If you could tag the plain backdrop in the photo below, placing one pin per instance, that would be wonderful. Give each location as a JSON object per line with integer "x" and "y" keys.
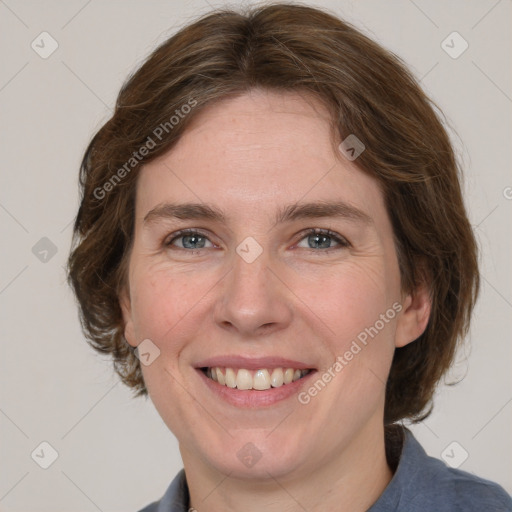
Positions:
{"x": 114, "y": 452}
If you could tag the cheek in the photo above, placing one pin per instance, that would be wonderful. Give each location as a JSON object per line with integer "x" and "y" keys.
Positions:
{"x": 350, "y": 298}
{"x": 360, "y": 308}
{"x": 356, "y": 305}
{"x": 164, "y": 300}
{"x": 152, "y": 306}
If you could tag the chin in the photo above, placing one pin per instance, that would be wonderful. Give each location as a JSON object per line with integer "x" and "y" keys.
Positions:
{"x": 253, "y": 454}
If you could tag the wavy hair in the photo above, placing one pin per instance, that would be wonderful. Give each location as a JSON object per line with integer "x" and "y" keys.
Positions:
{"x": 367, "y": 90}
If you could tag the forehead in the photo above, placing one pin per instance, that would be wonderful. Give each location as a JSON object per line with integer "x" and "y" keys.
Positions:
{"x": 254, "y": 153}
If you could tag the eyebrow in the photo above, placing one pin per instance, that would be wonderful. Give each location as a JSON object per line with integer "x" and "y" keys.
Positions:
{"x": 288, "y": 213}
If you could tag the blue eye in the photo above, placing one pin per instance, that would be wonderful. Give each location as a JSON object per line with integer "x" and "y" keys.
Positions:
{"x": 190, "y": 240}
{"x": 316, "y": 239}
{"x": 322, "y": 239}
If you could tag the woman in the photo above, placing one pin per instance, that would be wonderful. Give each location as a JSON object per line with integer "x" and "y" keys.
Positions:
{"x": 273, "y": 245}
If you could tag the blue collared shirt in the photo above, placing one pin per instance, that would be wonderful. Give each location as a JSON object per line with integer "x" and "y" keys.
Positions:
{"x": 420, "y": 484}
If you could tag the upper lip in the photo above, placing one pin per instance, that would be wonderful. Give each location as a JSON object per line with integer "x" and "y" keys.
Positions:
{"x": 252, "y": 363}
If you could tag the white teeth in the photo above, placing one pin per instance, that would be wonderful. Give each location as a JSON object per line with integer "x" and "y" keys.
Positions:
{"x": 220, "y": 377}
{"x": 277, "y": 378}
{"x": 261, "y": 379}
{"x": 244, "y": 379}
{"x": 288, "y": 375}
{"x": 230, "y": 378}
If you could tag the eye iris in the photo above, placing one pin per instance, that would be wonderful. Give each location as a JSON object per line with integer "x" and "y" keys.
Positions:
{"x": 190, "y": 241}
{"x": 315, "y": 241}
{"x": 322, "y": 241}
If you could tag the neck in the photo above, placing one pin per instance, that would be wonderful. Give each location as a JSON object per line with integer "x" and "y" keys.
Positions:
{"x": 351, "y": 480}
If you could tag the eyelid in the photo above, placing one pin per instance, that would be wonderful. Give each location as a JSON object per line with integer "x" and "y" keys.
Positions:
{"x": 340, "y": 240}
{"x": 182, "y": 232}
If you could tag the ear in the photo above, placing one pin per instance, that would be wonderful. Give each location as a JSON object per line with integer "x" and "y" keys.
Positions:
{"x": 413, "y": 320}
{"x": 126, "y": 308}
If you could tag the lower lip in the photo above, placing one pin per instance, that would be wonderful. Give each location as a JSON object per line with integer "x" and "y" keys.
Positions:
{"x": 252, "y": 398}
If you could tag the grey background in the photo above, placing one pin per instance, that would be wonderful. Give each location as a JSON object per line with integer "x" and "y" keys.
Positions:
{"x": 114, "y": 453}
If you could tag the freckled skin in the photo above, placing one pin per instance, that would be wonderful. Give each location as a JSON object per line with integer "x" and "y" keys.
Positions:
{"x": 249, "y": 156}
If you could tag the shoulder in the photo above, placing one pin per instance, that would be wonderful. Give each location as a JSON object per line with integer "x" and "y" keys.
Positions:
{"x": 453, "y": 490}
{"x": 153, "y": 507}
{"x": 428, "y": 484}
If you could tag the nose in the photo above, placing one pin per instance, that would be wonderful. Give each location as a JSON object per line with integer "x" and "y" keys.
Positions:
{"x": 253, "y": 299}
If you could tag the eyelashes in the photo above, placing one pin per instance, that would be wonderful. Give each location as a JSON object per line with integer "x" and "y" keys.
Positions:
{"x": 321, "y": 236}
{"x": 318, "y": 237}
{"x": 190, "y": 233}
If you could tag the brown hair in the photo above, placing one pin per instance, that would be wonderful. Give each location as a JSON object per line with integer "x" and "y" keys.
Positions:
{"x": 368, "y": 91}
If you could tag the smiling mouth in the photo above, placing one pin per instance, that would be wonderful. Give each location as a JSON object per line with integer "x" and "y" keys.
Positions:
{"x": 262, "y": 379}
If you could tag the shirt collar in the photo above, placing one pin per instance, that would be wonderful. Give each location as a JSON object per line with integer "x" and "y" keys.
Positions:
{"x": 408, "y": 453}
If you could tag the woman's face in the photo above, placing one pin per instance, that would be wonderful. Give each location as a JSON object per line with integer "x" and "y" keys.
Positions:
{"x": 250, "y": 287}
